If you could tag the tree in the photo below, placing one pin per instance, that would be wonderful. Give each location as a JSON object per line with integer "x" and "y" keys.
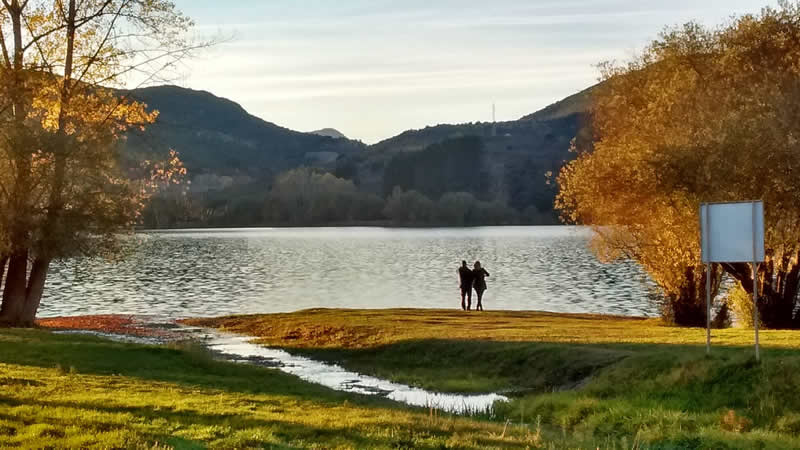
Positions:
{"x": 454, "y": 208}
{"x": 409, "y": 207}
{"x": 63, "y": 192}
{"x": 308, "y": 196}
{"x": 493, "y": 213}
{"x": 453, "y": 165}
{"x": 700, "y": 115}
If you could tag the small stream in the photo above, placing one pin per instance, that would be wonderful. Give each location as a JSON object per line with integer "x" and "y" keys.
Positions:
{"x": 240, "y": 349}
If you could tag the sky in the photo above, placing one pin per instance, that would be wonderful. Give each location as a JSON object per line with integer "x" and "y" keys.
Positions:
{"x": 375, "y": 68}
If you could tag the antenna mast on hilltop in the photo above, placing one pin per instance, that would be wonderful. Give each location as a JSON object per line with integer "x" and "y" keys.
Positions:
{"x": 494, "y": 120}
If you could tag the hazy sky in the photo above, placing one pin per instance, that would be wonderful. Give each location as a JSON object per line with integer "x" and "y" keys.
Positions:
{"x": 374, "y": 68}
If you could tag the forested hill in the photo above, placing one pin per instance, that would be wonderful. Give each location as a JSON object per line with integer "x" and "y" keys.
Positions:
{"x": 217, "y": 136}
{"x": 512, "y": 167}
{"x": 235, "y": 162}
{"x": 330, "y": 132}
{"x": 574, "y": 104}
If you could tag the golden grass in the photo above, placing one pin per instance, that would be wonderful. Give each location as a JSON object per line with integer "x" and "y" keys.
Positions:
{"x": 605, "y": 381}
{"x": 344, "y": 328}
{"x": 75, "y": 392}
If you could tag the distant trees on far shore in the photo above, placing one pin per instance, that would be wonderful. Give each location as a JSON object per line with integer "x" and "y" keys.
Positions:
{"x": 313, "y": 197}
{"x": 307, "y": 196}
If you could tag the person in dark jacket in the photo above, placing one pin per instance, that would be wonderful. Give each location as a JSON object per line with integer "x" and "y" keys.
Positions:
{"x": 479, "y": 275}
{"x": 465, "y": 282}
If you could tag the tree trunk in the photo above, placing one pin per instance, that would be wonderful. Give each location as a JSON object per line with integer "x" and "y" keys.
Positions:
{"x": 21, "y": 145}
{"x": 688, "y": 307}
{"x": 34, "y": 291}
{"x": 778, "y": 284}
{"x": 3, "y": 263}
{"x": 15, "y": 292}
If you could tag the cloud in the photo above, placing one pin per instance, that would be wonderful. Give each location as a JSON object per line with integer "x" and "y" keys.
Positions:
{"x": 373, "y": 67}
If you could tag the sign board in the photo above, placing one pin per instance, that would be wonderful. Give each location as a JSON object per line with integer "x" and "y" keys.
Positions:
{"x": 732, "y": 232}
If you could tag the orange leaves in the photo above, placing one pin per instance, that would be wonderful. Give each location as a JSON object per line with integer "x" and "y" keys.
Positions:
{"x": 700, "y": 115}
{"x": 160, "y": 176}
{"x": 110, "y": 323}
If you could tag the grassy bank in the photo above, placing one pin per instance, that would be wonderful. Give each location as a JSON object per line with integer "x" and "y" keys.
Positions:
{"x": 62, "y": 391}
{"x": 593, "y": 377}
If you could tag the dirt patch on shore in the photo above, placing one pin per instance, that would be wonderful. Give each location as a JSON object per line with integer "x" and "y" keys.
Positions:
{"x": 127, "y": 325}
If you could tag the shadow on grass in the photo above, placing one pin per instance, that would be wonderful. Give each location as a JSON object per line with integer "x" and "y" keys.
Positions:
{"x": 96, "y": 356}
{"x": 516, "y": 368}
{"x": 617, "y": 384}
{"x": 480, "y": 366}
{"x": 282, "y": 430}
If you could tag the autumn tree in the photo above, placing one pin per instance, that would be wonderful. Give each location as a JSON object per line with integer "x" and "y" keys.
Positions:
{"x": 700, "y": 115}
{"x": 63, "y": 192}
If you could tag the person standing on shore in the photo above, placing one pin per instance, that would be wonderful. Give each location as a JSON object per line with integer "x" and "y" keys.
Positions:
{"x": 479, "y": 275}
{"x": 465, "y": 280}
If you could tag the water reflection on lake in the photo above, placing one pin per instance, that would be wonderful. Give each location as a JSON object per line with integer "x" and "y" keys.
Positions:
{"x": 215, "y": 272}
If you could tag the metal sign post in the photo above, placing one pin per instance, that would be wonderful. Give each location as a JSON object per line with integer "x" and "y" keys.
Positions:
{"x": 707, "y": 233}
{"x": 732, "y": 233}
{"x": 755, "y": 306}
{"x": 755, "y": 274}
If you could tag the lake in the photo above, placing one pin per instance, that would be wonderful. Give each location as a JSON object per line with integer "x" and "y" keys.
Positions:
{"x": 185, "y": 273}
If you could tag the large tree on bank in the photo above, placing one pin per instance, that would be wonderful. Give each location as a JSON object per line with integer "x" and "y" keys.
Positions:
{"x": 700, "y": 115}
{"x": 62, "y": 192}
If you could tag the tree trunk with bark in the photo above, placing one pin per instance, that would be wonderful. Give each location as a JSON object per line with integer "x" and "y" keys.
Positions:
{"x": 23, "y": 292}
{"x": 688, "y": 307}
{"x": 15, "y": 292}
{"x": 778, "y": 284}
{"x": 34, "y": 291}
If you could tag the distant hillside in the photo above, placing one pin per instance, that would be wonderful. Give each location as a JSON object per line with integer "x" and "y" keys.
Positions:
{"x": 330, "y": 132}
{"x": 518, "y": 156}
{"x": 216, "y": 135}
{"x": 233, "y": 159}
{"x": 574, "y": 104}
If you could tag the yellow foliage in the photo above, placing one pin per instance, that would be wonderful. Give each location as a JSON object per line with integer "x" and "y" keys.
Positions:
{"x": 62, "y": 191}
{"x": 700, "y": 115}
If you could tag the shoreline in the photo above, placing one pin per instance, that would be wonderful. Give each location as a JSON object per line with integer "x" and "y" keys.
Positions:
{"x": 152, "y": 326}
{"x": 383, "y": 226}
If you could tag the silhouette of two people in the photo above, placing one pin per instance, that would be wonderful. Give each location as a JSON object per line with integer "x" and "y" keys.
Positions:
{"x": 470, "y": 279}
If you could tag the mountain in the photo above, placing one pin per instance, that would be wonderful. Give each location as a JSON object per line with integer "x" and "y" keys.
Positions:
{"x": 216, "y": 135}
{"x": 515, "y": 161}
{"x": 330, "y": 132}
{"x": 574, "y": 104}
{"x": 233, "y": 158}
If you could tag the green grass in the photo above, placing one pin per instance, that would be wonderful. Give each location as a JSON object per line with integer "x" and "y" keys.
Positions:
{"x": 61, "y": 391}
{"x": 595, "y": 378}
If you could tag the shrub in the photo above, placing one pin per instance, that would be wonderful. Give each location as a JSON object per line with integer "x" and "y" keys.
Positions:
{"x": 733, "y": 422}
{"x": 741, "y": 303}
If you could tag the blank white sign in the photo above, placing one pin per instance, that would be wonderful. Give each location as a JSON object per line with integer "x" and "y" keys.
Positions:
{"x": 732, "y": 232}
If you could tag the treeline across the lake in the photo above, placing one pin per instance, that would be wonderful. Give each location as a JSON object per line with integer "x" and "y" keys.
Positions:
{"x": 460, "y": 181}
{"x": 314, "y": 197}
{"x": 702, "y": 115}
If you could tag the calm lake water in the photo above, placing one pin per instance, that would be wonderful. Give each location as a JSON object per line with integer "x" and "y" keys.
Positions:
{"x": 215, "y": 272}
